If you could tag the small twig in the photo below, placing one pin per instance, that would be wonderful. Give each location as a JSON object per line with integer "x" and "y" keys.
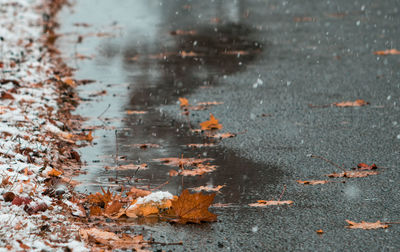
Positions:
{"x": 108, "y": 107}
{"x": 158, "y": 187}
{"x": 116, "y": 156}
{"x": 283, "y": 192}
{"x": 164, "y": 243}
{"x": 328, "y": 161}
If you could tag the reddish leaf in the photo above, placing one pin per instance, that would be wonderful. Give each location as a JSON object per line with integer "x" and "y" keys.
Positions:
{"x": 387, "y": 52}
{"x": 263, "y": 203}
{"x": 352, "y": 174}
{"x": 363, "y": 166}
{"x": 357, "y": 103}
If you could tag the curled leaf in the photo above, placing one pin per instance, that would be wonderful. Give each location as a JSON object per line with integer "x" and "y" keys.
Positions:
{"x": 366, "y": 225}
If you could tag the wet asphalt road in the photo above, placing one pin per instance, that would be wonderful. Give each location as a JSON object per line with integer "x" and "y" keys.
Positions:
{"x": 292, "y": 53}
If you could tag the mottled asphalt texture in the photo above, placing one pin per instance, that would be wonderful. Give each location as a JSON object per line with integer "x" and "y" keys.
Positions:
{"x": 292, "y": 54}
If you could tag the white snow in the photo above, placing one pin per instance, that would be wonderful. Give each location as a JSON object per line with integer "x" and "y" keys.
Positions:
{"x": 153, "y": 197}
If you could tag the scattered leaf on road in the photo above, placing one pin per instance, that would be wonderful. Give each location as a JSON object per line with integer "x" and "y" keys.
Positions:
{"x": 263, "y": 203}
{"x": 54, "y": 173}
{"x": 357, "y": 103}
{"x": 183, "y": 102}
{"x": 208, "y": 188}
{"x": 366, "y": 225}
{"x": 363, "y": 167}
{"x": 388, "y": 52}
{"x": 352, "y": 174}
{"x": 135, "y": 112}
{"x": 211, "y": 124}
{"x": 313, "y": 182}
{"x": 223, "y": 135}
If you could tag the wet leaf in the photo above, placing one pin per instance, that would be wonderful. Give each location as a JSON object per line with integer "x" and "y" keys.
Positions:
{"x": 183, "y": 161}
{"x": 148, "y": 208}
{"x": 366, "y": 225}
{"x": 209, "y": 103}
{"x": 183, "y": 102}
{"x": 127, "y": 167}
{"x": 223, "y": 135}
{"x": 95, "y": 211}
{"x": 199, "y": 170}
{"x": 263, "y": 203}
{"x": 357, "y": 103}
{"x": 54, "y": 173}
{"x": 6, "y": 96}
{"x": 208, "y": 188}
{"x": 192, "y": 208}
{"x": 173, "y": 173}
{"x": 211, "y": 124}
{"x": 113, "y": 208}
{"x": 200, "y": 145}
{"x": 320, "y": 231}
{"x": 352, "y": 174}
{"x": 70, "y": 82}
{"x": 388, "y": 52}
{"x": 136, "y": 193}
{"x": 364, "y": 166}
{"x": 101, "y": 199}
{"x": 135, "y": 112}
{"x": 313, "y": 182}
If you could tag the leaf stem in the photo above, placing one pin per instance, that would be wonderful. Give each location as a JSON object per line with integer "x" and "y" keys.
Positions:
{"x": 328, "y": 161}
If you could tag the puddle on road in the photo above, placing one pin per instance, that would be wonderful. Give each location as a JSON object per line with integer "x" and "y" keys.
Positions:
{"x": 157, "y": 52}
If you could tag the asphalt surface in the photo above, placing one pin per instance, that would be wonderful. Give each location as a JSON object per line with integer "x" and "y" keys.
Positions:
{"x": 292, "y": 54}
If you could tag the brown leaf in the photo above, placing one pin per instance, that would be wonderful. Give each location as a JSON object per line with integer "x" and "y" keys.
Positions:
{"x": 54, "y": 173}
{"x": 199, "y": 170}
{"x": 6, "y": 96}
{"x": 313, "y": 182}
{"x": 183, "y": 161}
{"x": 135, "y": 112}
{"x": 127, "y": 167}
{"x": 223, "y": 135}
{"x": 366, "y": 225}
{"x": 192, "y": 208}
{"x": 200, "y": 145}
{"x": 136, "y": 193}
{"x": 183, "y": 102}
{"x": 263, "y": 203}
{"x": 101, "y": 199}
{"x": 320, "y": 231}
{"x": 364, "y": 166}
{"x": 352, "y": 174}
{"x": 211, "y": 124}
{"x": 148, "y": 208}
{"x": 208, "y": 188}
{"x": 113, "y": 208}
{"x": 357, "y": 103}
{"x": 95, "y": 211}
{"x": 388, "y": 52}
{"x": 173, "y": 173}
{"x": 70, "y": 82}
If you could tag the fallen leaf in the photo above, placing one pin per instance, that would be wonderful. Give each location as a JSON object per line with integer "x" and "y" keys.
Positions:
{"x": 6, "y": 96}
{"x": 388, "y": 52}
{"x": 148, "y": 208}
{"x": 208, "y": 188}
{"x": 263, "y": 203}
{"x": 199, "y": 170}
{"x": 320, "y": 231}
{"x": 183, "y": 102}
{"x": 136, "y": 193}
{"x": 192, "y": 208}
{"x": 127, "y": 167}
{"x": 352, "y": 174}
{"x": 70, "y": 82}
{"x": 173, "y": 173}
{"x": 366, "y": 225}
{"x": 364, "y": 166}
{"x": 22, "y": 245}
{"x": 135, "y": 112}
{"x": 313, "y": 182}
{"x": 95, "y": 211}
{"x": 101, "y": 199}
{"x": 200, "y": 145}
{"x": 357, "y": 103}
{"x": 112, "y": 208}
{"x": 211, "y": 124}
{"x": 182, "y": 32}
{"x": 223, "y": 135}
{"x": 54, "y": 173}
{"x": 145, "y": 146}
{"x": 183, "y": 161}
{"x": 209, "y": 103}
{"x": 188, "y": 54}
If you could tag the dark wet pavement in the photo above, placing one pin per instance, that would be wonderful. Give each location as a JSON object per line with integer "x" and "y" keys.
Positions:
{"x": 259, "y": 58}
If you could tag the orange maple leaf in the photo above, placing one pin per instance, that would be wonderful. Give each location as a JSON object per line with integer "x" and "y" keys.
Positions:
{"x": 263, "y": 203}
{"x": 387, "y": 52}
{"x": 356, "y": 103}
{"x": 366, "y": 225}
{"x": 211, "y": 124}
{"x": 192, "y": 208}
{"x": 184, "y": 102}
{"x": 54, "y": 173}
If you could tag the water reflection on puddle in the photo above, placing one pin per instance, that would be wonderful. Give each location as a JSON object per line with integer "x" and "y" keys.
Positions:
{"x": 147, "y": 54}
